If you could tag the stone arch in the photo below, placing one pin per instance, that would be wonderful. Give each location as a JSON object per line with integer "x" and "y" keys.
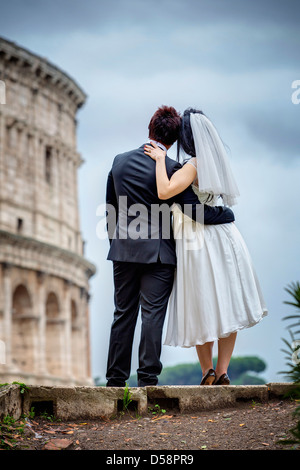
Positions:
{"x": 24, "y": 330}
{"x": 54, "y": 335}
{"x": 20, "y": 282}
{"x": 52, "y": 306}
{"x": 21, "y": 301}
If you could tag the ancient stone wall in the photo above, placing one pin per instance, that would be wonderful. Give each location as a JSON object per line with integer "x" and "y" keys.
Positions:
{"x": 44, "y": 277}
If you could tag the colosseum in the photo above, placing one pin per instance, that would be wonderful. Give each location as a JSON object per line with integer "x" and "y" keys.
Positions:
{"x": 44, "y": 276}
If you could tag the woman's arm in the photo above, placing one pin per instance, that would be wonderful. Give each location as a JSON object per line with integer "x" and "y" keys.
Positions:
{"x": 180, "y": 180}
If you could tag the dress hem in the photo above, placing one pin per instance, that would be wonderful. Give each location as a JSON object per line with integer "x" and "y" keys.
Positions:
{"x": 224, "y": 335}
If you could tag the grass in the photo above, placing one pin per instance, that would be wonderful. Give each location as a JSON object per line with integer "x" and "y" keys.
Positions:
{"x": 11, "y": 432}
{"x": 127, "y": 398}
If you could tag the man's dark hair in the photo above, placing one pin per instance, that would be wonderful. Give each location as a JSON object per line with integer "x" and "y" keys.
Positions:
{"x": 164, "y": 126}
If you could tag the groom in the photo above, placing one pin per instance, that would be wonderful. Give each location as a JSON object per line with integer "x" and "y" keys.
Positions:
{"x": 144, "y": 265}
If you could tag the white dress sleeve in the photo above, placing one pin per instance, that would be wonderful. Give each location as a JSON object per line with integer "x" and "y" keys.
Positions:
{"x": 192, "y": 161}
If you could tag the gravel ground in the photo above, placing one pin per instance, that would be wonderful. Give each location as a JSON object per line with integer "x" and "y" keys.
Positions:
{"x": 248, "y": 426}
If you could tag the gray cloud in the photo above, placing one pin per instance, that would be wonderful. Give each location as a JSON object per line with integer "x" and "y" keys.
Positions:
{"x": 280, "y": 135}
{"x": 94, "y": 14}
{"x": 227, "y": 35}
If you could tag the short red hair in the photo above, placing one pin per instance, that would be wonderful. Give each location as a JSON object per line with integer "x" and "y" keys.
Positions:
{"x": 164, "y": 125}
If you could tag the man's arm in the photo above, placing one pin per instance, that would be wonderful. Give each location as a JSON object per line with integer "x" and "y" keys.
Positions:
{"x": 111, "y": 206}
{"x": 203, "y": 213}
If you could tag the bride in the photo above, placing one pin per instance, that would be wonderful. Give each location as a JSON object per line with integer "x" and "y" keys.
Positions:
{"x": 216, "y": 292}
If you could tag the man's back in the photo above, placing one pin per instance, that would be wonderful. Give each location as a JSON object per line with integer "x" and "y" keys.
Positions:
{"x": 134, "y": 177}
{"x": 131, "y": 189}
{"x": 143, "y": 233}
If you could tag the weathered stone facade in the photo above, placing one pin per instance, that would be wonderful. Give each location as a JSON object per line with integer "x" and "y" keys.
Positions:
{"x": 44, "y": 277}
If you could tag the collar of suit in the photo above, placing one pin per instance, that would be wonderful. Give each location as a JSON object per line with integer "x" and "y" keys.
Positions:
{"x": 158, "y": 144}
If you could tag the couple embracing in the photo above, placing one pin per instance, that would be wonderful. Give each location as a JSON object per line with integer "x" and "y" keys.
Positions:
{"x": 200, "y": 269}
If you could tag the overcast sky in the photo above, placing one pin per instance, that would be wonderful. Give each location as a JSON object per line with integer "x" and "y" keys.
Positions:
{"x": 236, "y": 60}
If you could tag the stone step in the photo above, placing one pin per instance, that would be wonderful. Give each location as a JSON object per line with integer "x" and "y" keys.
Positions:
{"x": 84, "y": 402}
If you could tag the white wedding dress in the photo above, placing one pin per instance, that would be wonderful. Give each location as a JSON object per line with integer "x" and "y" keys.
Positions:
{"x": 216, "y": 291}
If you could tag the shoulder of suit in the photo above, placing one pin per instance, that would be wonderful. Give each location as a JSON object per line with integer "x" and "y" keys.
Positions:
{"x": 121, "y": 156}
{"x": 170, "y": 162}
{"x": 128, "y": 153}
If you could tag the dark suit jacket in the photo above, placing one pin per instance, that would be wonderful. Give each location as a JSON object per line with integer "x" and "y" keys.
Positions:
{"x": 133, "y": 177}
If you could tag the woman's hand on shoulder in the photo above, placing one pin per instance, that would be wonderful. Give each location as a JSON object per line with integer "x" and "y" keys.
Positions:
{"x": 154, "y": 151}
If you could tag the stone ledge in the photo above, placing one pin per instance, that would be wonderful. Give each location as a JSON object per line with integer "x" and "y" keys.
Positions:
{"x": 10, "y": 401}
{"x": 22, "y": 243}
{"x": 196, "y": 398}
{"x": 83, "y": 402}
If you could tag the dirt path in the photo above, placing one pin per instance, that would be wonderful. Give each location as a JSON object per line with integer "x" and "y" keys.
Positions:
{"x": 249, "y": 426}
